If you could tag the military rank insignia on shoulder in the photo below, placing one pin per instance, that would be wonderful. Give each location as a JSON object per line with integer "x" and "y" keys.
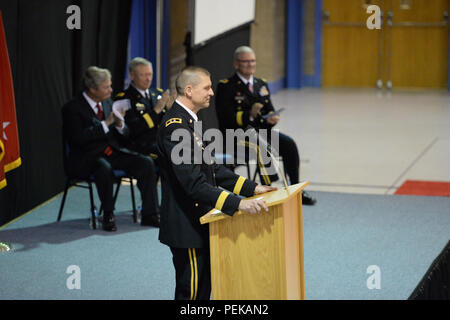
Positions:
{"x": 120, "y": 94}
{"x": 173, "y": 120}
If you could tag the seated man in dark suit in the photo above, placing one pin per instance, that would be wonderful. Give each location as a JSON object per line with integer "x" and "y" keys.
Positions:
{"x": 147, "y": 107}
{"x": 244, "y": 100}
{"x": 94, "y": 135}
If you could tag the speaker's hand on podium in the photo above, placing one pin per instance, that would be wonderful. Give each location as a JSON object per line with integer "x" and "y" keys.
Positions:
{"x": 263, "y": 189}
{"x": 252, "y": 205}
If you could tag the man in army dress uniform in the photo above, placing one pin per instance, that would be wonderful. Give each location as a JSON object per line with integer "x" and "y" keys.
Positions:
{"x": 244, "y": 100}
{"x": 148, "y": 106}
{"x": 190, "y": 188}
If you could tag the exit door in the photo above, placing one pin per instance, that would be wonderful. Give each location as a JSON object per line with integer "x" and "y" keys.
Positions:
{"x": 410, "y": 49}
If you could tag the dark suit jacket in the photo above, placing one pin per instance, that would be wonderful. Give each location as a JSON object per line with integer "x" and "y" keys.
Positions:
{"x": 234, "y": 102}
{"x": 143, "y": 124}
{"x": 85, "y": 136}
{"x": 190, "y": 190}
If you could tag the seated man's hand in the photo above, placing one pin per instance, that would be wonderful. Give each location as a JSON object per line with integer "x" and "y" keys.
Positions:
{"x": 256, "y": 108}
{"x": 117, "y": 121}
{"x": 162, "y": 102}
{"x": 110, "y": 119}
{"x": 263, "y": 189}
{"x": 273, "y": 120}
{"x": 252, "y": 206}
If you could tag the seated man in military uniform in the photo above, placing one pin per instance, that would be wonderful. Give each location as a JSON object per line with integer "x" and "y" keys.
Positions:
{"x": 243, "y": 101}
{"x": 147, "y": 107}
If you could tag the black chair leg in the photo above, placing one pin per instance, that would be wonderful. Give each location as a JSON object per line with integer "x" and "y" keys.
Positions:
{"x": 63, "y": 201}
{"x": 133, "y": 201}
{"x": 91, "y": 197}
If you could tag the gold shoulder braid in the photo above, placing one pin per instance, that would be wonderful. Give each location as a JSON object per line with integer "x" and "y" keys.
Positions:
{"x": 173, "y": 120}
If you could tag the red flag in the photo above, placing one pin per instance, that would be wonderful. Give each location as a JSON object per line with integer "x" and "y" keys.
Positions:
{"x": 2, "y": 171}
{"x": 9, "y": 138}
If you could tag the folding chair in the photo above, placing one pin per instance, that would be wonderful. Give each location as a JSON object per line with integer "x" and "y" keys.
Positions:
{"x": 76, "y": 182}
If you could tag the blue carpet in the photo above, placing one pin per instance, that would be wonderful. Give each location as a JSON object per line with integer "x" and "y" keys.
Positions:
{"x": 344, "y": 234}
{"x": 128, "y": 264}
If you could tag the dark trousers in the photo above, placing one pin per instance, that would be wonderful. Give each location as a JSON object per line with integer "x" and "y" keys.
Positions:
{"x": 192, "y": 273}
{"x": 140, "y": 167}
{"x": 291, "y": 159}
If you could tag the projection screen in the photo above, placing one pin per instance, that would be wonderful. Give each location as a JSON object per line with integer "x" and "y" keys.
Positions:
{"x": 214, "y": 17}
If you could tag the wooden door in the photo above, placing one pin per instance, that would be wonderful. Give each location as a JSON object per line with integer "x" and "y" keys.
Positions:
{"x": 351, "y": 52}
{"x": 418, "y": 35}
{"x": 410, "y": 49}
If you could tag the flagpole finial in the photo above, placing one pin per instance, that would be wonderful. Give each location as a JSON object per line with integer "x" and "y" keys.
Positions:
{"x": 5, "y": 247}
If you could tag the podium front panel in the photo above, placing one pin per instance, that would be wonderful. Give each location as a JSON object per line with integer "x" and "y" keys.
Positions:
{"x": 245, "y": 257}
{"x": 258, "y": 256}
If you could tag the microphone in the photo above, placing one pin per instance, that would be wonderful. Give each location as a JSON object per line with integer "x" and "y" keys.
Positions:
{"x": 263, "y": 143}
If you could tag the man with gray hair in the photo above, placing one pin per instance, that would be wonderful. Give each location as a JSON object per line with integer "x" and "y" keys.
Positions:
{"x": 148, "y": 105}
{"x": 95, "y": 135}
{"x": 243, "y": 101}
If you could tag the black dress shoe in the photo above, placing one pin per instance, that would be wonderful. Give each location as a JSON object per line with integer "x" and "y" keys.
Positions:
{"x": 150, "y": 221}
{"x": 307, "y": 199}
{"x": 109, "y": 223}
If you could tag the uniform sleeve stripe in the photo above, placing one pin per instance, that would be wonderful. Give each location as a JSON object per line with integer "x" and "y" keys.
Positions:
{"x": 238, "y": 187}
{"x": 239, "y": 120}
{"x": 221, "y": 200}
{"x": 149, "y": 120}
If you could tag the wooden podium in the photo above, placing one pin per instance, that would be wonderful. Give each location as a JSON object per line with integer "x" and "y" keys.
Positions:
{"x": 259, "y": 256}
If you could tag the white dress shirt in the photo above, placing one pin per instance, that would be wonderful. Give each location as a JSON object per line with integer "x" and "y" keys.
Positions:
{"x": 142, "y": 92}
{"x": 245, "y": 81}
{"x": 193, "y": 115}
{"x": 93, "y": 105}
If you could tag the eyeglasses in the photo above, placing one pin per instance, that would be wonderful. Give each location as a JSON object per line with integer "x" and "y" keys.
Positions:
{"x": 247, "y": 61}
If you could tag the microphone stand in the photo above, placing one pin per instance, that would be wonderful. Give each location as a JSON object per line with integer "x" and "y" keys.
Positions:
{"x": 269, "y": 151}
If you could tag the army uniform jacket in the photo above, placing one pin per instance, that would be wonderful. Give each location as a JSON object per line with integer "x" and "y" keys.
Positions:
{"x": 141, "y": 119}
{"x": 190, "y": 190}
{"x": 234, "y": 102}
